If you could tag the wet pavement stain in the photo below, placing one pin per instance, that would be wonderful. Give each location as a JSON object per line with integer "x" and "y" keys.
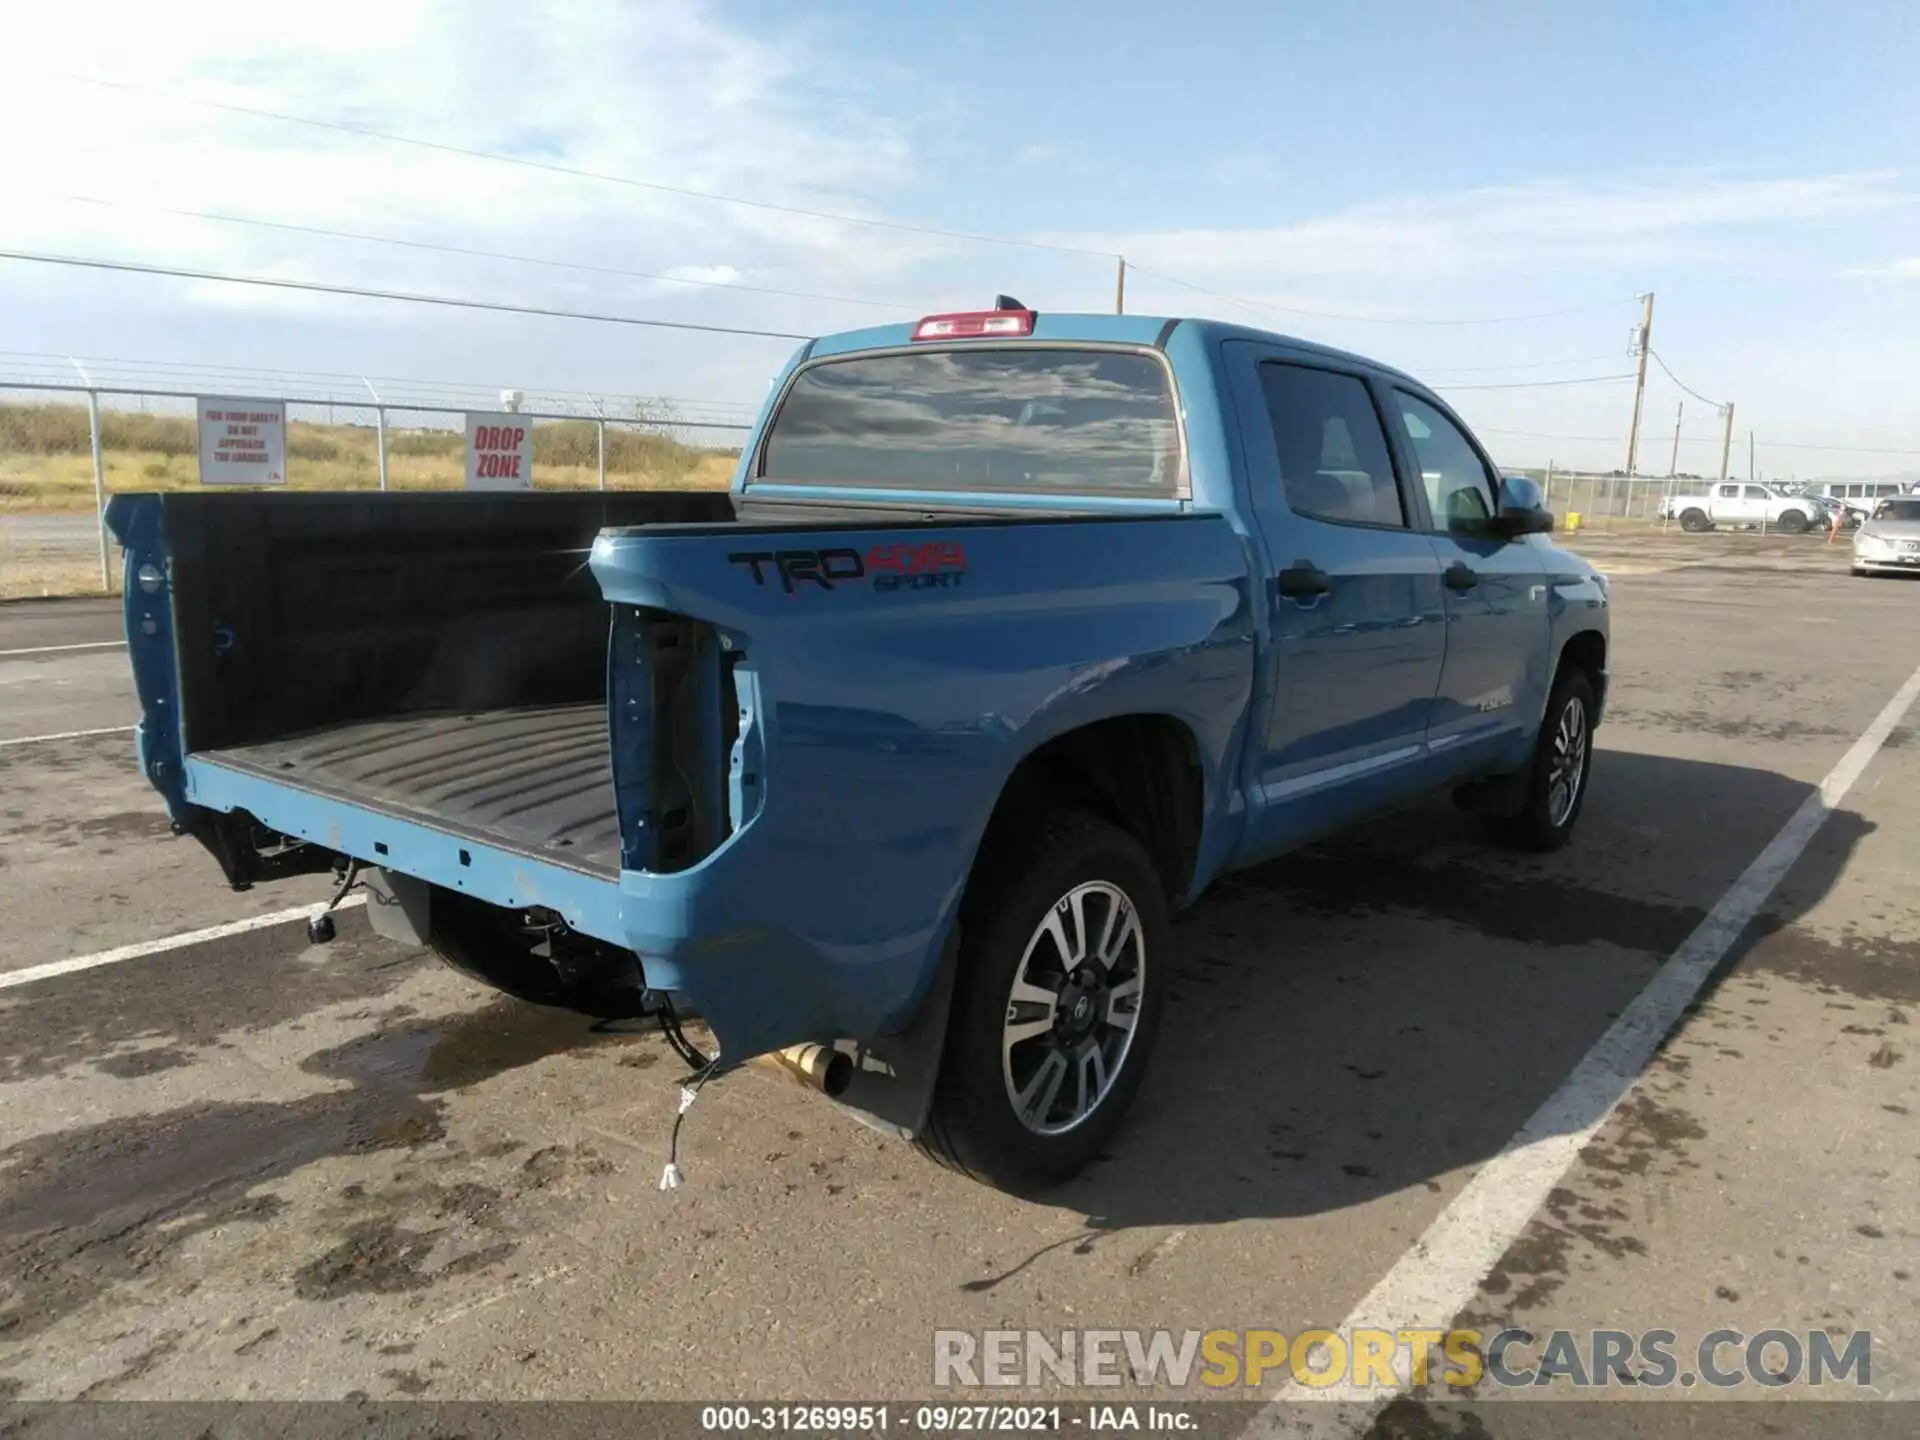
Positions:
{"x": 136, "y": 1064}
{"x": 90, "y": 1210}
{"x": 1866, "y": 967}
{"x": 1643, "y": 1137}
{"x": 247, "y": 1347}
{"x": 377, "y": 1257}
{"x": 1705, "y": 722}
{"x": 432, "y": 1057}
{"x": 68, "y": 834}
{"x": 1406, "y": 1418}
{"x": 192, "y": 1001}
{"x": 143, "y": 1364}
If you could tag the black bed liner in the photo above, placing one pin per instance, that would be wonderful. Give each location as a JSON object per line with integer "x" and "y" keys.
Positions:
{"x": 534, "y": 781}
{"x": 440, "y": 658}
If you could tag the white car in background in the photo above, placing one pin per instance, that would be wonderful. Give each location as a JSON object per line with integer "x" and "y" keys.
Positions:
{"x": 1889, "y": 542}
{"x": 1742, "y": 502}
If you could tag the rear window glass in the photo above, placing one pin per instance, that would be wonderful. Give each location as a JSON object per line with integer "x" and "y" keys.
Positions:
{"x": 1029, "y": 419}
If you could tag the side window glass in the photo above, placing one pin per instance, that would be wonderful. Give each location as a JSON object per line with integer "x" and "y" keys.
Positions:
{"x": 1729, "y": 492}
{"x": 1334, "y": 460}
{"x": 1459, "y": 490}
{"x": 1754, "y": 492}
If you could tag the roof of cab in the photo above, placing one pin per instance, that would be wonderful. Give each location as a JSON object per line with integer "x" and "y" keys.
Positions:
{"x": 1099, "y": 328}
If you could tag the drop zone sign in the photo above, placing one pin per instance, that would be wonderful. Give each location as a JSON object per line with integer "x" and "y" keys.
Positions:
{"x": 499, "y": 452}
{"x": 243, "y": 442}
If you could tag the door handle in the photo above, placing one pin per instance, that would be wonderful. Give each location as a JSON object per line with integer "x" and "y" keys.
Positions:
{"x": 1303, "y": 580}
{"x": 1459, "y": 577}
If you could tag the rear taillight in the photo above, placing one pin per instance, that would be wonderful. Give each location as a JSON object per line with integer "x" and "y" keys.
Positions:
{"x": 974, "y": 324}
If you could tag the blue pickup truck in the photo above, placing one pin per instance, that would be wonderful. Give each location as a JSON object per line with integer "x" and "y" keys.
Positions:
{"x": 1014, "y": 631}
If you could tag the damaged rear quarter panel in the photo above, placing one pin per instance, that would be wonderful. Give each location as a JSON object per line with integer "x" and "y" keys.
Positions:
{"x": 887, "y": 720}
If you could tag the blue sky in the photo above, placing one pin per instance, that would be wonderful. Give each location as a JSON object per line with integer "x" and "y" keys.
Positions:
{"x": 1349, "y": 173}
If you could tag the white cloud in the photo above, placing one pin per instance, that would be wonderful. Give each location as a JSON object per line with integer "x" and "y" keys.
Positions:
{"x": 660, "y": 90}
{"x": 1549, "y": 225}
{"x": 1907, "y": 268}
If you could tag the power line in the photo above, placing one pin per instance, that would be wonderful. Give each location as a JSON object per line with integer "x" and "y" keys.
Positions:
{"x": 1701, "y": 440}
{"x": 477, "y": 254}
{"x": 572, "y": 171}
{"x": 1846, "y": 449}
{"x": 1369, "y": 319}
{"x": 1716, "y": 404}
{"x": 1518, "y": 365}
{"x": 1539, "y": 384}
{"x": 357, "y": 377}
{"x": 25, "y": 368}
{"x": 1543, "y": 435}
{"x": 360, "y": 292}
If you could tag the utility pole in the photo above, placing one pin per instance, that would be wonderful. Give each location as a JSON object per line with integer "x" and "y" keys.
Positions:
{"x": 1120, "y": 287}
{"x": 1750, "y": 474}
{"x": 1643, "y": 340}
{"x": 1673, "y": 465}
{"x": 1726, "y": 442}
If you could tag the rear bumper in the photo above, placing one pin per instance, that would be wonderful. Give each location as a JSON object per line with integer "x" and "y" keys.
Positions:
{"x": 588, "y": 903}
{"x": 714, "y": 935}
{"x": 1909, "y": 566}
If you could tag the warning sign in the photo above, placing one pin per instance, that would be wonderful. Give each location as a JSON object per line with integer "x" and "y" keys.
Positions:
{"x": 499, "y": 452}
{"x": 243, "y": 442}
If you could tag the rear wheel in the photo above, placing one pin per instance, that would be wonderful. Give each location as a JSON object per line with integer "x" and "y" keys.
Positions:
{"x": 1794, "y": 522}
{"x": 1694, "y": 521}
{"x": 1063, "y": 972}
{"x": 1557, "y": 779}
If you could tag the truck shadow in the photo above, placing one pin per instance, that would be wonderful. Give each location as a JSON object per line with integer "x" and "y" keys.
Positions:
{"x": 1376, "y": 1015}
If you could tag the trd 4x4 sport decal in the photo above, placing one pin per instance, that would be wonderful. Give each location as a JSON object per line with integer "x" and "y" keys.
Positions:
{"x": 938, "y": 565}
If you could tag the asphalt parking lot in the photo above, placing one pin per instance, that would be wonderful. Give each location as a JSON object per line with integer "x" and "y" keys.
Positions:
{"x": 249, "y": 1168}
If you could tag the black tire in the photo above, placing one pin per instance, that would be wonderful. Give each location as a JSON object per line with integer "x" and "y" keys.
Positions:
{"x": 1694, "y": 521}
{"x": 1029, "y": 873}
{"x": 1793, "y": 522}
{"x": 1541, "y": 824}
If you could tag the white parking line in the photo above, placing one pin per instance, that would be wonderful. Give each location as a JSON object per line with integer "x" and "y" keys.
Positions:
{"x": 67, "y": 735}
{"x": 52, "y": 968}
{"x": 1436, "y": 1279}
{"x": 60, "y": 649}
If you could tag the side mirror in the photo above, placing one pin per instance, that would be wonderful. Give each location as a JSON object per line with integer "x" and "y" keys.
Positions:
{"x": 1523, "y": 508}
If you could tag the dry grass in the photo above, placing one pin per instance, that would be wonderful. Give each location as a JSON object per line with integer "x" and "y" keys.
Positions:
{"x": 32, "y": 576}
{"x": 46, "y": 464}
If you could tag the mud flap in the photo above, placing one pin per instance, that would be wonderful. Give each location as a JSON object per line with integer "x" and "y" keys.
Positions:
{"x": 894, "y": 1076}
{"x": 399, "y": 907}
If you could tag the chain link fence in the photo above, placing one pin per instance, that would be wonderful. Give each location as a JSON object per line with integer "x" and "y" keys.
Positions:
{"x": 1582, "y": 500}
{"x": 67, "y": 443}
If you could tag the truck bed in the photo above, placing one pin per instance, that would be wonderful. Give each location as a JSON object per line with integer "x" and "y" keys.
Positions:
{"x": 537, "y": 781}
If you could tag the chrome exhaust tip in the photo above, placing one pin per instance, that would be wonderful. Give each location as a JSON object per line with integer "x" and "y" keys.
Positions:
{"x": 820, "y": 1067}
